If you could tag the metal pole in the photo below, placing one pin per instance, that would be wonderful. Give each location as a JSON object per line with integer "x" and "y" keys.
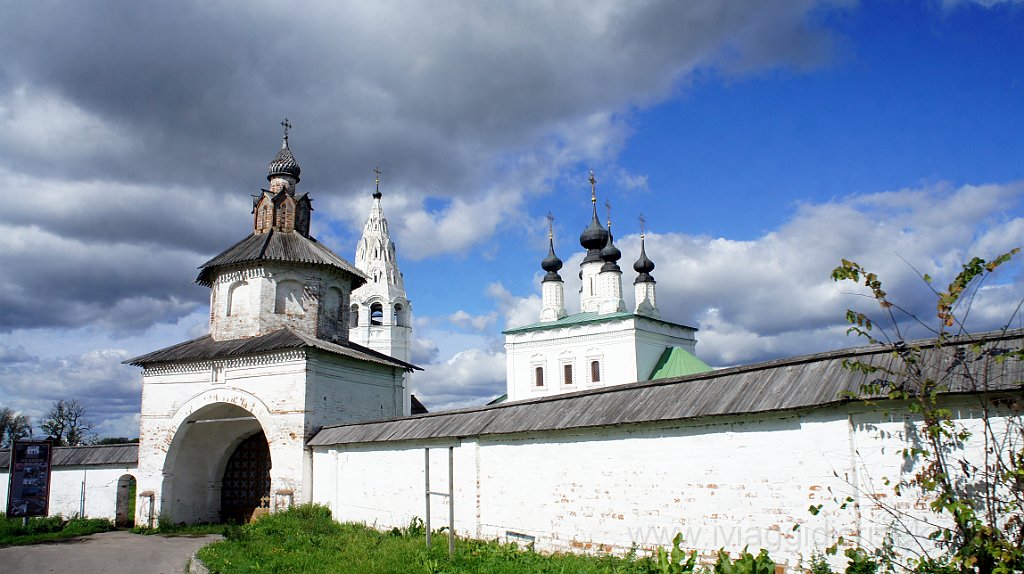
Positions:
{"x": 451, "y": 501}
{"x": 81, "y": 499}
{"x": 426, "y": 479}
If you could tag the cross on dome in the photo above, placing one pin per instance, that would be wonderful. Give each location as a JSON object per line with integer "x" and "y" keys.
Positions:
{"x": 287, "y": 126}
{"x": 377, "y": 194}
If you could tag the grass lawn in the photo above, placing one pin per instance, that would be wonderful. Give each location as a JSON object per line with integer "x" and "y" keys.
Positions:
{"x": 306, "y": 539}
{"x": 14, "y": 532}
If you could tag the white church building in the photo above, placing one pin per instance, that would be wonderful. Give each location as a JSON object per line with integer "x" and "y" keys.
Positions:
{"x": 614, "y": 434}
{"x": 602, "y": 345}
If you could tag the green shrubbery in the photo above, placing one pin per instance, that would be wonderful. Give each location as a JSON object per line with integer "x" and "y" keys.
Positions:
{"x": 14, "y": 531}
{"x": 306, "y": 539}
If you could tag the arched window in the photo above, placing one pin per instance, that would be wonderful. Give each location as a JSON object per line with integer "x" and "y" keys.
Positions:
{"x": 398, "y": 315}
{"x": 288, "y": 299}
{"x": 333, "y": 304}
{"x": 567, "y": 374}
{"x": 595, "y": 371}
{"x": 353, "y": 316}
{"x": 237, "y": 298}
{"x": 538, "y": 376}
{"x": 376, "y": 314}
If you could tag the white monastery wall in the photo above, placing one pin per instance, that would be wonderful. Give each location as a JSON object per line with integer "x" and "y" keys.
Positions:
{"x": 66, "y": 492}
{"x": 726, "y": 482}
{"x": 337, "y": 393}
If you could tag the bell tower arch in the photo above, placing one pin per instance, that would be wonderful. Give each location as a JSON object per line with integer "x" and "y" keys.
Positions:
{"x": 381, "y": 310}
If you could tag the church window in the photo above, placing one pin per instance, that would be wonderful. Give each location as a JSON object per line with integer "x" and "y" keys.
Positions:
{"x": 288, "y": 299}
{"x": 236, "y": 298}
{"x": 567, "y": 374}
{"x": 398, "y": 315}
{"x": 376, "y": 314}
{"x": 538, "y": 376}
{"x": 333, "y": 304}
{"x": 595, "y": 371}
{"x": 353, "y": 316}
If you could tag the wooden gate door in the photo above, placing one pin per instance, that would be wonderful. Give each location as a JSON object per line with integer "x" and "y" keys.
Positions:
{"x": 246, "y": 483}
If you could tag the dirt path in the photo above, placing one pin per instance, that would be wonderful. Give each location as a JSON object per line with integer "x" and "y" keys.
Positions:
{"x": 107, "y": 553}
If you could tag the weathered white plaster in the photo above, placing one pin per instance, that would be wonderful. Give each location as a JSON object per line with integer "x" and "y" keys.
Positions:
{"x": 194, "y": 416}
{"x": 725, "y": 482}
{"x": 87, "y": 491}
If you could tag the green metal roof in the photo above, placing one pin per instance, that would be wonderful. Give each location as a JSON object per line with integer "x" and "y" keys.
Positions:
{"x": 584, "y": 318}
{"x": 577, "y": 319}
{"x": 677, "y": 362}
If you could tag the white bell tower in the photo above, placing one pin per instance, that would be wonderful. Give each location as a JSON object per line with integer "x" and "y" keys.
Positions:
{"x": 380, "y": 316}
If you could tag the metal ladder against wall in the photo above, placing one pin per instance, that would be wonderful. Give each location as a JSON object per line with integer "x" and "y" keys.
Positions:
{"x": 450, "y": 495}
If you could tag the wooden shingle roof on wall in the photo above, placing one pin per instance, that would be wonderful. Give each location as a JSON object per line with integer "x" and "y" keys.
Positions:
{"x": 205, "y": 348}
{"x": 782, "y": 385}
{"x": 278, "y": 246}
{"x": 108, "y": 454}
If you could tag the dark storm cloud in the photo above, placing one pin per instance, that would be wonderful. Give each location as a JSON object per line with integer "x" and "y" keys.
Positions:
{"x": 109, "y": 390}
{"x": 135, "y": 132}
{"x": 198, "y": 88}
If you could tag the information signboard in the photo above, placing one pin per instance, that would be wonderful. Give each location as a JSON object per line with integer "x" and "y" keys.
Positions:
{"x": 29, "y": 491}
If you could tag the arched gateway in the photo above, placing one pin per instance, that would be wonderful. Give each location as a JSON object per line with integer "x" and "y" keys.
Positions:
{"x": 225, "y": 417}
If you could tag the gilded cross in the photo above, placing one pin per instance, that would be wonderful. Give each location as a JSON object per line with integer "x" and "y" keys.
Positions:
{"x": 593, "y": 188}
{"x": 643, "y": 225}
{"x": 551, "y": 226}
{"x": 377, "y": 171}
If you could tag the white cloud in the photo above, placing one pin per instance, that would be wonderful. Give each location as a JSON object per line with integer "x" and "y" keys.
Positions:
{"x": 773, "y": 296}
{"x": 471, "y": 377}
{"x": 424, "y": 351}
{"x": 517, "y": 311}
{"x": 463, "y": 319}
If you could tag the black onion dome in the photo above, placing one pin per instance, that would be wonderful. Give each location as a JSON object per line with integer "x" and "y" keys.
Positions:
{"x": 610, "y": 254}
{"x": 593, "y": 239}
{"x": 595, "y": 235}
{"x": 551, "y": 263}
{"x": 284, "y": 164}
{"x": 643, "y": 266}
{"x": 377, "y": 194}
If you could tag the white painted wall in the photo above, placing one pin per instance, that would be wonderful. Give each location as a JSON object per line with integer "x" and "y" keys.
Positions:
{"x": 66, "y": 493}
{"x": 725, "y": 482}
{"x": 627, "y": 349}
{"x": 290, "y": 394}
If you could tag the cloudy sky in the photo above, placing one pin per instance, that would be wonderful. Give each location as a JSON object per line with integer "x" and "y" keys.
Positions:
{"x": 763, "y": 141}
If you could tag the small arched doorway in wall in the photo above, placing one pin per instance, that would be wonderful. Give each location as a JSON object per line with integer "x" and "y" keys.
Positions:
{"x": 246, "y": 482}
{"x": 124, "y": 504}
{"x": 218, "y": 442}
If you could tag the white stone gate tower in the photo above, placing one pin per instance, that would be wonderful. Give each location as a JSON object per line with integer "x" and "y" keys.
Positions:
{"x": 380, "y": 315}
{"x": 225, "y": 417}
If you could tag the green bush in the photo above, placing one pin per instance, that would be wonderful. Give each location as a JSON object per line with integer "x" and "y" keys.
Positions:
{"x": 15, "y": 531}
{"x": 819, "y": 565}
{"x": 745, "y": 563}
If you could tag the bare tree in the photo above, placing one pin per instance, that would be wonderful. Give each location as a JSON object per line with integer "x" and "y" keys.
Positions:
{"x": 13, "y": 426}
{"x": 66, "y": 423}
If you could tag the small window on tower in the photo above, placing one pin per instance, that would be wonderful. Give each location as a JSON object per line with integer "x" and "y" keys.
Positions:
{"x": 595, "y": 371}
{"x": 376, "y": 314}
{"x": 566, "y": 374}
{"x": 353, "y": 316}
{"x": 538, "y": 376}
